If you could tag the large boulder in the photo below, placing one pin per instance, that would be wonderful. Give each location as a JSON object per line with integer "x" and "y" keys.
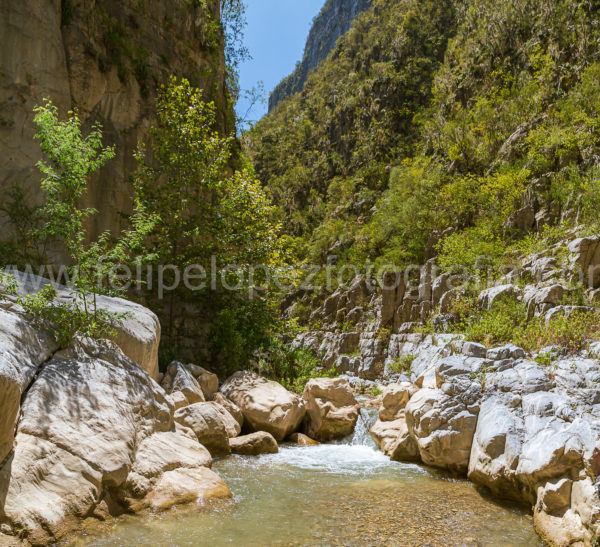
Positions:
{"x": 171, "y": 469}
{"x": 179, "y": 380}
{"x": 390, "y": 431}
{"x": 568, "y": 512}
{"x": 168, "y": 450}
{"x": 521, "y": 221}
{"x": 181, "y": 486}
{"x": 443, "y": 420}
{"x": 81, "y": 421}
{"x": 537, "y": 442}
{"x": 266, "y": 405}
{"x": 541, "y": 299}
{"x": 394, "y": 400}
{"x": 254, "y": 444}
{"x": 488, "y": 297}
{"x": 208, "y": 425}
{"x": 393, "y": 439}
{"x": 232, "y": 426}
{"x": 497, "y": 448}
{"x": 524, "y": 440}
{"x": 443, "y": 429}
{"x": 23, "y": 350}
{"x": 332, "y": 410}
{"x": 385, "y": 434}
{"x": 137, "y": 332}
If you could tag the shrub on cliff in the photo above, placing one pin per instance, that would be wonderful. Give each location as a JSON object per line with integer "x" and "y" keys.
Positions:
{"x": 71, "y": 158}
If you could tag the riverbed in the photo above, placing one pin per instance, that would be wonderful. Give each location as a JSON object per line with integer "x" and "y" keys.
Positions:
{"x": 333, "y": 494}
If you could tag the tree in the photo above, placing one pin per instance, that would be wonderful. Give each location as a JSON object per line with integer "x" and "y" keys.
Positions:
{"x": 71, "y": 159}
{"x": 208, "y": 217}
{"x": 233, "y": 21}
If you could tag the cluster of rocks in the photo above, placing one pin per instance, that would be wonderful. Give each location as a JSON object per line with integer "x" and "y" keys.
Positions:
{"x": 359, "y": 328}
{"x": 527, "y": 427}
{"x": 88, "y": 432}
{"x": 528, "y": 432}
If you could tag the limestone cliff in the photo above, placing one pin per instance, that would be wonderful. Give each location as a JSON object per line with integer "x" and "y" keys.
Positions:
{"x": 105, "y": 58}
{"x": 334, "y": 20}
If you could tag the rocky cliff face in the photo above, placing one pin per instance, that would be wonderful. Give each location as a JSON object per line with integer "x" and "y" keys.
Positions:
{"x": 105, "y": 58}
{"x": 335, "y": 19}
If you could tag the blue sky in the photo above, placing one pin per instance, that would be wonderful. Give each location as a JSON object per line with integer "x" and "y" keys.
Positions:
{"x": 275, "y": 35}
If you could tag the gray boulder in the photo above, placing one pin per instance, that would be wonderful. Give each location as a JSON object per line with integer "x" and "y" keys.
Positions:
{"x": 208, "y": 425}
{"x": 81, "y": 421}
{"x": 266, "y": 405}
{"x": 23, "y": 350}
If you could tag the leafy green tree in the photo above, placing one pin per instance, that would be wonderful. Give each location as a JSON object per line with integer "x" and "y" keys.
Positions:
{"x": 208, "y": 217}
{"x": 233, "y": 21}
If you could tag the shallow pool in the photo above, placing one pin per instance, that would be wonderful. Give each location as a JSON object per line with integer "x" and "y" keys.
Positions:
{"x": 334, "y": 494}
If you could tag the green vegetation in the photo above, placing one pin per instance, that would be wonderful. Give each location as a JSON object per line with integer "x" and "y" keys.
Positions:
{"x": 233, "y": 22}
{"x": 507, "y": 321}
{"x": 440, "y": 119}
{"x": 465, "y": 131}
{"x": 429, "y": 130}
{"x": 207, "y": 220}
{"x": 324, "y": 152}
{"x": 8, "y": 284}
{"x": 71, "y": 159}
{"x": 402, "y": 364}
{"x": 375, "y": 391}
{"x": 292, "y": 367}
{"x": 65, "y": 320}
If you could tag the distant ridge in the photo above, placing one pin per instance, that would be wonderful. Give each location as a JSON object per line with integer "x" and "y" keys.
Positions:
{"x": 334, "y": 20}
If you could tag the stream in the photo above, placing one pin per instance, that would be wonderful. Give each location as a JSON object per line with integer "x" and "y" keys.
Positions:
{"x": 346, "y": 493}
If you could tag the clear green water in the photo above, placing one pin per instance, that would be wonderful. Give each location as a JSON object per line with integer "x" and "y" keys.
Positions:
{"x": 338, "y": 494}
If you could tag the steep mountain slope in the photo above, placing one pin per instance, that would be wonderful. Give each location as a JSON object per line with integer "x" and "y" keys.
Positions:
{"x": 476, "y": 119}
{"x": 104, "y": 58}
{"x": 333, "y": 21}
{"x": 324, "y": 152}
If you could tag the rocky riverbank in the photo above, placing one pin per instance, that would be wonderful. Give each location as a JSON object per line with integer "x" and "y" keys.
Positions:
{"x": 94, "y": 431}
{"x": 523, "y": 424}
{"x": 87, "y": 432}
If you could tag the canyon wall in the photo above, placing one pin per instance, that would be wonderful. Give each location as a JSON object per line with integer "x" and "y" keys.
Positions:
{"x": 106, "y": 59}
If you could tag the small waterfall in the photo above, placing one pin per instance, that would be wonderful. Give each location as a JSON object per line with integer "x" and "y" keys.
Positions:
{"x": 366, "y": 419}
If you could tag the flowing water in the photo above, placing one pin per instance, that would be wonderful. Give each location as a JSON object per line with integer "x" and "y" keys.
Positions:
{"x": 332, "y": 494}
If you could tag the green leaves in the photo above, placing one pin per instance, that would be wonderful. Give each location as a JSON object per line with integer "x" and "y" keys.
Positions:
{"x": 471, "y": 111}
{"x": 71, "y": 158}
{"x": 67, "y": 319}
{"x": 201, "y": 209}
{"x": 8, "y": 285}
{"x": 352, "y": 120}
{"x": 206, "y": 215}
